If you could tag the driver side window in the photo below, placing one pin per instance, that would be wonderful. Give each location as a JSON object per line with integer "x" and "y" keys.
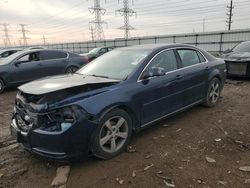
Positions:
{"x": 165, "y": 60}
{"x": 35, "y": 56}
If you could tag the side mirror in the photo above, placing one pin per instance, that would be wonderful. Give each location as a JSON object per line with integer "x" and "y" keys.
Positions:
{"x": 17, "y": 63}
{"x": 153, "y": 72}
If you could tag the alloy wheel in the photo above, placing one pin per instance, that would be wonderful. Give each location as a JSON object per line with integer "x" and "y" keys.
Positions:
{"x": 114, "y": 134}
{"x": 214, "y": 92}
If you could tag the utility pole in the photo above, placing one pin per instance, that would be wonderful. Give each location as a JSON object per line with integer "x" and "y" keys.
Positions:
{"x": 24, "y": 31}
{"x": 126, "y": 12}
{"x": 6, "y": 35}
{"x": 92, "y": 33}
{"x": 204, "y": 25}
{"x": 98, "y": 11}
{"x": 230, "y": 15}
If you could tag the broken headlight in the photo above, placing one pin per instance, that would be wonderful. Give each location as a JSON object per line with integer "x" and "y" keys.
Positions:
{"x": 61, "y": 119}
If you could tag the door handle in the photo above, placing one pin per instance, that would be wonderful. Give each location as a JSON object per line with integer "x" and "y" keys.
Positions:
{"x": 178, "y": 77}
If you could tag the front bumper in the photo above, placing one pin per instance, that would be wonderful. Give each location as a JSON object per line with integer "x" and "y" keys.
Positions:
{"x": 238, "y": 68}
{"x": 62, "y": 146}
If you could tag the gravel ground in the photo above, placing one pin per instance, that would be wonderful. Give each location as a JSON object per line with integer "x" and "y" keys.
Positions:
{"x": 173, "y": 152}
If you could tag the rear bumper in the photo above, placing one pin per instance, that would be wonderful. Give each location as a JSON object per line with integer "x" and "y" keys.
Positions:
{"x": 238, "y": 69}
{"x": 64, "y": 146}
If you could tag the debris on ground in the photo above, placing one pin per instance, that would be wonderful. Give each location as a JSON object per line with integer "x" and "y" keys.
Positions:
{"x": 178, "y": 130}
{"x": 148, "y": 156}
{"x": 168, "y": 184}
{"x": 133, "y": 174}
{"x": 210, "y": 160}
{"x": 1, "y": 175}
{"x": 61, "y": 177}
{"x": 245, "y": 168}
{"x": 130, "y": 149}
{"x": 120, "y": 181}
{"x": 148, "y": 167}
{"x": 217, "y": 139}
{"x": 222, "y": 183}
{"x": 166, "y": 178}
{"x": 247, "y": 181}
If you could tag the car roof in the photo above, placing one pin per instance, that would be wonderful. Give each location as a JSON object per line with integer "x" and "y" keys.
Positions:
{"x": 153, "y": 47}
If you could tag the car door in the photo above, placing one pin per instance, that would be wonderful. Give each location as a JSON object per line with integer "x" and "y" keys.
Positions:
{"x": 26, "y": 68}
{"x": 53, "y": 62}
{"x": 195, "y": 68}
{"x": 161, "y": 95}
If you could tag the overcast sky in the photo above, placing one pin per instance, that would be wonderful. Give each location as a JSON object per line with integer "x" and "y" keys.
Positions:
{"x": 64, "y": 20}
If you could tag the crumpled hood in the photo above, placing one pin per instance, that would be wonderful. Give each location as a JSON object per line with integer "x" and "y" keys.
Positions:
{"x": 56, "y": 83}
{"x": 238, "y": 55}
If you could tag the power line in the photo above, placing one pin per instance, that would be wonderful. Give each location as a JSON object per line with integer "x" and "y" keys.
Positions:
{"x": 126, "y": 12}
{"x": 230, "y": 15}
{"x": 98, "y": 11}
{"x": 24, "y": 36}
{"x": 44, "y": 40}
{"x": 6, "y": 38}
{"x": 92, "y": 33}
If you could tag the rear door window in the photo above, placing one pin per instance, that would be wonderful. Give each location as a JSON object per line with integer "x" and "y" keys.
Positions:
{"x": 49, "y": 55}
{"x": 188, "y": 57}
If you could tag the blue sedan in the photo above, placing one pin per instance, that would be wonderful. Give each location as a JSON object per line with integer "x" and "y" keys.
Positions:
{"x": 96, "y": 110}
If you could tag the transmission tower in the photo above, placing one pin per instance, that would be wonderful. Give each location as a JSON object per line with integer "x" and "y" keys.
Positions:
{"x": 126, "y": 12}
{"x": 6, "y": 35}
{"x": 24, "y": 31}
{"x": 98, "y": 11}
{"x": 44, "y": 40}
{"x": 230, "y": 15}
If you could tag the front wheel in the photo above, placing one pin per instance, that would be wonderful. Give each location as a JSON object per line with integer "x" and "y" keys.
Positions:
{"x": 213, "y": 92}
{"x": 2, "y": 86}
{"x": 112, "y": 135}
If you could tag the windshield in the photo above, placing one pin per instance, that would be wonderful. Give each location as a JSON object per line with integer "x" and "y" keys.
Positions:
{"x": 242, "y": 47}
{"x": 94, "y": 51}
{"x": 117, "y": 64}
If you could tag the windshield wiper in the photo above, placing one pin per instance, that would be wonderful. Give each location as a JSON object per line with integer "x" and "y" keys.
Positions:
{"x": 100, "y": 76}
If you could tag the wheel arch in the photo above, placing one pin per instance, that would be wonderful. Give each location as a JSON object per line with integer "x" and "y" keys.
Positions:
{"x": 215, "y": 74}
{"x": 127, "y": 109}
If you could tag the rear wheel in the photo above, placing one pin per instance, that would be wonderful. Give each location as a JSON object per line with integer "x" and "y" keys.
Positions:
{"x": 2, "y": 86}
{"x": 71, "y": 69}
{"x": 112, "y": 135}
{"x": 213, "y": 92}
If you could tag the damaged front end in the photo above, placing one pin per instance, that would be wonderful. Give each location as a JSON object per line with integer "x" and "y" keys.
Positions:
{"x": 52, "y": 124}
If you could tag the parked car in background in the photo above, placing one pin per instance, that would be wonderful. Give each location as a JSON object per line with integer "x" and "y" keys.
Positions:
{"x": 96, "y": 52}
{"x": 238, "y": 60}
{"x": 28, "y": 65}
{"x": 7, "y": 52}
{"x": 96, "y": 110}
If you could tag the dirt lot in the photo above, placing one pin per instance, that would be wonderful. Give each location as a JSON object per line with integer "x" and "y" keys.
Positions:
{"x": 178, "y": 147}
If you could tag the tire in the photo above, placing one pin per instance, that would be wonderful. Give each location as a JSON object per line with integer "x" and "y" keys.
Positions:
{"x": 112, "y": 135}
{"x": 2, "y": 86}
{"x": 213, "y": 93}
{"x": 71, "y": 69}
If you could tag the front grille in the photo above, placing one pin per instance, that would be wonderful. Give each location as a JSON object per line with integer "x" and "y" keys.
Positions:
{"x": 236, "y": 68}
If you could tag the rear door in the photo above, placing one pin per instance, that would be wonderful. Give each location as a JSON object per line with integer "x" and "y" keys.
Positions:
{"x": 161, "y": 95}
{"x": 195, "y": 69}
{"x": 53, "y": 62}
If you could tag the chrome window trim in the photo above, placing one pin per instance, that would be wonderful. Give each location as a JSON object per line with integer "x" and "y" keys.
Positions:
{"x": 175, "y": 48}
